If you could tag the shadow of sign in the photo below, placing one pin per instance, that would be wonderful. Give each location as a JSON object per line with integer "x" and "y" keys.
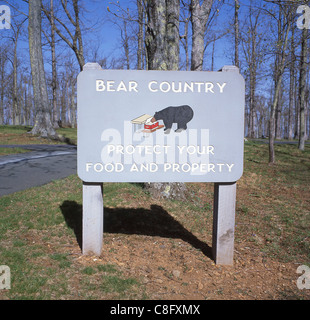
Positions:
{"x": 139, "y": 221}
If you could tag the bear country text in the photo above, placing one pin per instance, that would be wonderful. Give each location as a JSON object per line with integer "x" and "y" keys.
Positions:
{"x": 163, "y": 86}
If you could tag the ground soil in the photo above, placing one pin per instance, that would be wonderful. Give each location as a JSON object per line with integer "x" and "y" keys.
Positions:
{"x": 174, "y": 270}
{"x": 180, "y": 265}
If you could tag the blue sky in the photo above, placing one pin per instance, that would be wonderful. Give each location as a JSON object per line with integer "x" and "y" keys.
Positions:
{"x": 101, "y": 34}
{"x": 104, "y": 34}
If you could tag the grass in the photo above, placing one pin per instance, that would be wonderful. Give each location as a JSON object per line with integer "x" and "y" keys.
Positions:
{"x": 9, "y": 151}
{"x": 34, "y": 241}
{"x": 40, "y": 228}
{"x": 281, "y": 211}
{"x": 11, "y": 135}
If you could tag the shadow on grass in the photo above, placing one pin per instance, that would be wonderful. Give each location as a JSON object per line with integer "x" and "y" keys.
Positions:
{"x": 149, "y": 222}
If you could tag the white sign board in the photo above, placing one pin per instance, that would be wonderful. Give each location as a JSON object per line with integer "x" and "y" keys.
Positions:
{"x": 160, "y": 126}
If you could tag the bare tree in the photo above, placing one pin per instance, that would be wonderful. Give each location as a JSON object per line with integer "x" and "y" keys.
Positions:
{"x": 253, "y": 52}
{"x": 54, "y": 65}
{"x": 131, "y": 23}
{"x": 280, "y": 65}
{"x": 16, "y": 27}
{"x": 302, "y": 89}
{"x": 199, "y": 18}
{"x": 3, "y": 80}
{"x": 43, "y": 124}
{"x": 236, "y": 27}
{"x": 292, "y": 86}
{"x": 140, "y": 56}
{"x": 72, "y": 39}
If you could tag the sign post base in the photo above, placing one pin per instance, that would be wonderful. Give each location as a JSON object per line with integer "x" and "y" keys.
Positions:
{"x": 224, "y": 223}
{"x": 92, "y": 218}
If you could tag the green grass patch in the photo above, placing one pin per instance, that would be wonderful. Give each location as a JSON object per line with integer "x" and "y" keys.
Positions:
{"x": 280, "y": 209}
{"x": 11, "y": 151}
{"x": 37, "y": 226}
{"x": 11, "y": 135}
{"x": 6, "y": 129}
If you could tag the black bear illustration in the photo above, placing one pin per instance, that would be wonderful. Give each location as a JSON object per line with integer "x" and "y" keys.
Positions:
{"x": 181, "y": 115}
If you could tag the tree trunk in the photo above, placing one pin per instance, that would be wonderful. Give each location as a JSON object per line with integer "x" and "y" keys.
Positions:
{"x": 81, "y": 58}
{"x": 155, "y": 38}
{"x": 2, "y": 86}
{"x": 213, "y": 52}
{"x": 126, "y": 44}
{"x": 15, "y": 112}
{"x": 172, "y": 34}
{"x": 54, "y": 68}
{"x": 162, "y": 44}
{"x": 73, "y": 105}
{"x": 302, "y": 90}
{"x": 237, "y": 6}
{"x": 278, "y": 83}
{"x": 252, "y": 97}
{"x": 63, "y": 111}
{"x": 253, "y": 66}
{"x": 279, "y": 114}
{"x": 199, "y": 18}
{"x": 291, "y": 93}
{"x": 297, "y": 111}
{"x": 43, "y": 125}
{"x": 162, "y": 34}
{"x": 140, "y": 36}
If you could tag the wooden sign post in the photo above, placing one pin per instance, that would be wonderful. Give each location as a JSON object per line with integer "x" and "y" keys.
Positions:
{"x": 161, "y": 126}
{"x": 224, "y": 223}
{"x": 92, "y": 227}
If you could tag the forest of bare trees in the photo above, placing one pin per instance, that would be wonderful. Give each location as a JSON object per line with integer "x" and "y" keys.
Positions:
{"x": 268, "y": 41}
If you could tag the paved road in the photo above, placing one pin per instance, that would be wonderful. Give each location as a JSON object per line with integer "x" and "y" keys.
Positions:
{"x": 42, "y": 165}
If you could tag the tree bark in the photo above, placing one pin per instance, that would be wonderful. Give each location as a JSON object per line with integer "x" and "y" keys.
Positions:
{"x": 278, "y": 83}
{"x": 162, "y": 44}
{"x": 172, "y": 42}
{"x": 78, "y": 34}
{"x": 2, "y": 81}
{"x": 237, "y": 6}
{"x": 54, "y": 67}
{"x": 16, "y": 107}
{"x": 73, "y": 104}
{"x": 43, "y": 125}
{"x": 302, "y": 90}
{"x": 15, "y": 113}
{"x": 140, "y": 36}
{"x": 155, "y": 35}
{"x": 199, "y": 17}
{"x": 291, "y": 92}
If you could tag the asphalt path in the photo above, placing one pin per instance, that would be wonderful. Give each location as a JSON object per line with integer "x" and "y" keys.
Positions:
{"x": 43, "y": 164}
